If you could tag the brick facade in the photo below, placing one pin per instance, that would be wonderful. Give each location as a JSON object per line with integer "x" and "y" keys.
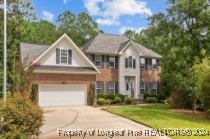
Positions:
{"x": 148, "y": 75}
{"x": 74, "y": 79}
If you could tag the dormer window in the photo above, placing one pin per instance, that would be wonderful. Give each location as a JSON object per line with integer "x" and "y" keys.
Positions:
{"x": 63, "y": 56}
{"x": 130, "y": 62}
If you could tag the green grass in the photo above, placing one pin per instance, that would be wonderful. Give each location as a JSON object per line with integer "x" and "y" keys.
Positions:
{"x": 159, "y": 116}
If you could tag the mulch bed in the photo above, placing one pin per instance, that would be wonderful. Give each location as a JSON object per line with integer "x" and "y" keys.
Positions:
{"x": 200, "y": 114}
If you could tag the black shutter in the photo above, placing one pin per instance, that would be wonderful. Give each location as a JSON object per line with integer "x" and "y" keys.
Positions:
{"x": 158, "y": 87}
{"x": 116, "y": 87}
{"x": 116, "y": 62}
{"x": 150, "y": 87}
{"x": 126, "y": 62}
{"x": 134, "y": 63}
{"x": 146, "y": 87}
{"x": 70, "y": 56}
{"x": 107, "y": 61}
{"x": 93, "y": 59}
{"x": 57, "y": 56}
{"x": 102, "y": 61}
{"x": 102, "y": 87}
{"x": 107, "y": 87}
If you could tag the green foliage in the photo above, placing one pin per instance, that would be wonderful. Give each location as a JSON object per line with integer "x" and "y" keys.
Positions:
{"x": 128, "y": 100}
{"x": 120, "y": 96}
{"x": 110, "y": 96}
{"x": 101, "y": 101}
{"x": 208, "y": 113}
{"x": 109, "y": 101}
{"x": 22, "y": 118}
{"x": 201, "y": 70}
{"x": 151, "y": 100}
{"x": 160, "y": 97}
{"x": 117, "y": 100}
{"x": 92, "y": 93}
{"x": 179, "y": 35}
{"x": 101, "y": 95}
{"x": 80, "y": 28}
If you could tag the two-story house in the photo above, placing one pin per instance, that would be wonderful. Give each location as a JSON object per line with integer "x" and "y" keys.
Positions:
{"x": 126, "y": 67}
{"x": 63, "y": 73}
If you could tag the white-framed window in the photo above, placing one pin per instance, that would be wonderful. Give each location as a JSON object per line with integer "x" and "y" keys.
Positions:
{"x": 112, "y": 61}
{"x": 142, "y": 87}
{"x": 98, "y": 87}
{"x": 154, "y": 64}
{"x": 142, "y": 63}
{"x": 98, "y": 60}
{"x": 111, "y": 87}
{"x": 64, "y": 56}
{"x": 153, "y": 87}
{"x": 130, "y": 62}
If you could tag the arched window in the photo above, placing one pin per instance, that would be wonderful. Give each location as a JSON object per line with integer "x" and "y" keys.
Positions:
{"x": 130, "y": 61}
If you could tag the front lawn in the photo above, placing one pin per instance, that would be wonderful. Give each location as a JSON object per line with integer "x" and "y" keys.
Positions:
{"x": 160, "y": 116}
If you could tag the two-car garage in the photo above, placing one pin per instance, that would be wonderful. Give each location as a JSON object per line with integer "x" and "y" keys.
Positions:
{"x": 62, "y": 95}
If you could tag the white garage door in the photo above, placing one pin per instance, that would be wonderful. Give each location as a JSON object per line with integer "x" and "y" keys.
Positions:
{"x": 61, "y": 95}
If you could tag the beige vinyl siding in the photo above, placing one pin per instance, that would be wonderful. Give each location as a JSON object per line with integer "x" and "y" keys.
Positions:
{"x": 129, "y": 51}
{"x": 50, "y": 57}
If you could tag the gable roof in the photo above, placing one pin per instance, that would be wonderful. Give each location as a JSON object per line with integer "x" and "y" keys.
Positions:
{"x": 31, "y": 51}
{"x": 114, "y": 44}
{"x": 41, "y": 52}
{"x": 104, "y": 43}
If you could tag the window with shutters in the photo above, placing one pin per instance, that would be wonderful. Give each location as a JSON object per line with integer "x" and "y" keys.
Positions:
{"x": 64, "y": 56}
{"x": 130, "y": 62}
{"x": 98, "y": 60}
{"x": 154, "y": 64}
{"x": 99, "y": 87}
{"x": 112, "y": 61}
{"x": 142, "y": 63}
{"x": 153, "y": 87}
{"x": 111, "y": 87}
{"x": 142, "y": 87}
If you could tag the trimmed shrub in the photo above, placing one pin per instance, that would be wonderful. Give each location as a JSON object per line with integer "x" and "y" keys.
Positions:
{"x": 101, "y": 95}
{"x": 109, "y": 101}
{"x": 120, "y": 96}
{"x": 151, "y": 100}
{"x": 110, "y": 96}
{"x": 21, "y": 117}
{"x": 117, "y": 100}
{"x": 101, "y": 101}
{"x": 161, "y": 97}
{"x": 208, "y": 113}
{"x": 128, "y": 100}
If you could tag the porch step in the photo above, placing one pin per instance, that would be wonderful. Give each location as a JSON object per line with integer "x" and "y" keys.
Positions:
{"x": 138, "y": 101}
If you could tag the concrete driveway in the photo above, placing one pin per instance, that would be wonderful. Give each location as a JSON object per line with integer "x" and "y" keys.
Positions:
{"x": 86, "y": 122}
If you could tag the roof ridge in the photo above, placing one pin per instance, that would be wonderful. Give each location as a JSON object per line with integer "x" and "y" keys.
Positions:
{"x": 113, "y": 34}
{"x": 34, "y": 44}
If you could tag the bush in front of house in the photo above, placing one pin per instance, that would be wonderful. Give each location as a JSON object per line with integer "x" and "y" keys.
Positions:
{"x": 128, "y": 100}
{"x": 21, "y": 118}
{"x": 110, "y": 96}
{"x": 160, "y": 97}
{"x": 101, "y": 101}
{"x": 109, "y": 101}
{"x": 117, "y": 100}
{"x": 151, "y": 100}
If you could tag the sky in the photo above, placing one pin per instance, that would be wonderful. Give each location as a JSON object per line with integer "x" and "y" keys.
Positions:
{"x": 112, "y": 16}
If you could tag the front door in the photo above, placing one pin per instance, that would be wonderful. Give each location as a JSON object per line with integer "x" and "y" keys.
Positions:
{"x": 129, "y": 87}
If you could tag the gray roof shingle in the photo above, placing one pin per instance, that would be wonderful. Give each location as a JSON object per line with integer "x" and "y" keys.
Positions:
{"x": 104, "y": 43}
{"x": 42, "y": 68}
{"x": 31, "y": 51}
{"x": 113, "y": 44}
